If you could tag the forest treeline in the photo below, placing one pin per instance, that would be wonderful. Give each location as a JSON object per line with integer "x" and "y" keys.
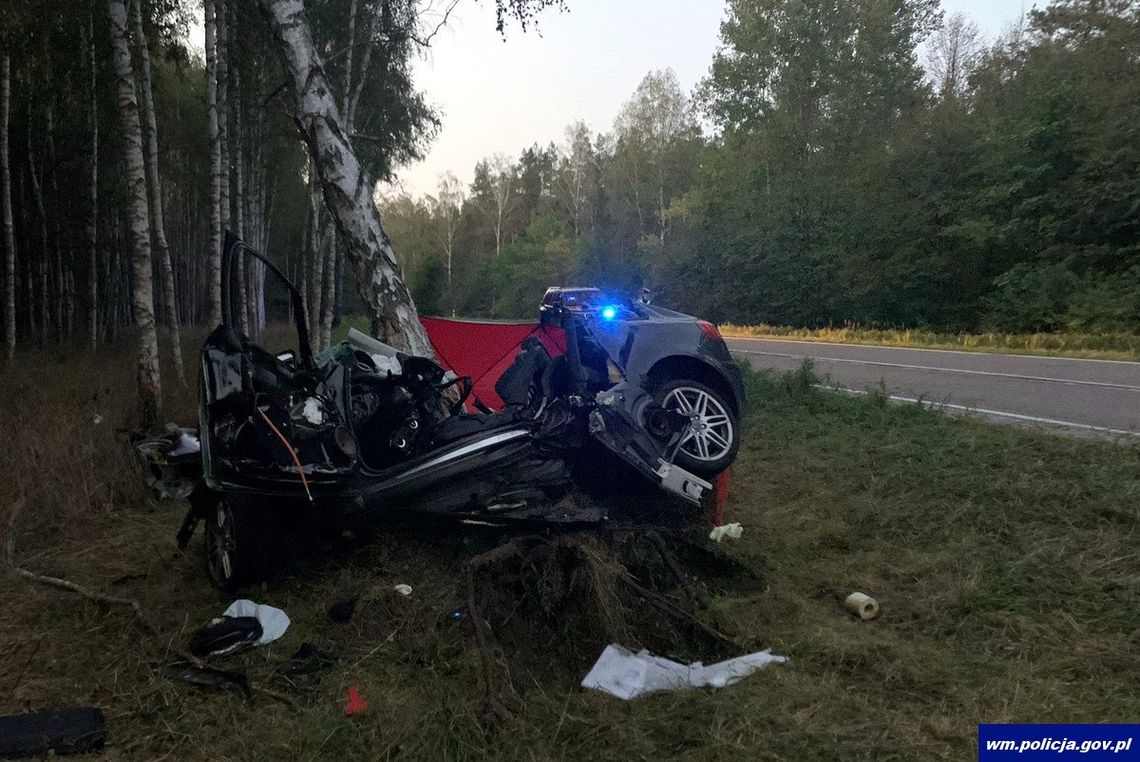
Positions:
{"x": 872, "y": 162}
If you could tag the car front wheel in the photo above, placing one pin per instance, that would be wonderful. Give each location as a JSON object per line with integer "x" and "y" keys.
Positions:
{"x": 713, "y": 437}
{"x": 240, "y": 533}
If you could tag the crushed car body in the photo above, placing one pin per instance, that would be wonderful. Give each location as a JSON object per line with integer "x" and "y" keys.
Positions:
{"x": 361, "y": 430}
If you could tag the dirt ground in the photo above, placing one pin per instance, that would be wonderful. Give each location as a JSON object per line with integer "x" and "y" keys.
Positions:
{"x": 1004, "y": 561}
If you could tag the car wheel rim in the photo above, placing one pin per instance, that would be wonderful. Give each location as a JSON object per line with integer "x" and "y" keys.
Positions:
{"x": 222, "y": 543}
{"x": 709, "y": 436}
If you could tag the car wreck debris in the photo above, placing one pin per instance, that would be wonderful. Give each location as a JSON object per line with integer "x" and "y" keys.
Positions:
{"x": 862, "y": 606}
{"x": 244, "y": 624}
{"x": 732, "y": 531}
{"x": 622, "y": 673}
{"x": 61, "y": 732}
{"x": 362, "y": 431}
{"x": 207, "y": 677}
{"x": 172, "y": 462}
{"x": 354, "y": 704}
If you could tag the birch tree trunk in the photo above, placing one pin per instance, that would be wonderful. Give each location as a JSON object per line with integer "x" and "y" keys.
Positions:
{"x": 237, "y": 157}
{"x": 316, "y": 282}
{"x": 6, "y": 204}
{"x": 57, "y": 275}
{"x": 45, "y": 245}
{"x": 93, "y": 212}
{"x": 214, "y": 258}
{"x": 222, "y": 8}
{"x": 154, "y": 186}
{"x": 328, "y": 302}
{"x": 346, "y": 184}
{"x": 138, "y": 216}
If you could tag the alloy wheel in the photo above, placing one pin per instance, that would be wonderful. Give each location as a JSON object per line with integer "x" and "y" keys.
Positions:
{"x": 709, "y": 436}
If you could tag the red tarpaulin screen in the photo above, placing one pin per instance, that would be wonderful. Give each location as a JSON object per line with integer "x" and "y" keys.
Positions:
{"x": 484, "y": 350}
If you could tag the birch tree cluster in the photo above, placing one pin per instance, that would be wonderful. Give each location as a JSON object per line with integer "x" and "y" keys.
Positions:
{"x": 127, "y": 150}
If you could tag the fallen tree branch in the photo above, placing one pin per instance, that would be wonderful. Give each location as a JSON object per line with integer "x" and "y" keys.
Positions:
{"x": 60, "y": 583}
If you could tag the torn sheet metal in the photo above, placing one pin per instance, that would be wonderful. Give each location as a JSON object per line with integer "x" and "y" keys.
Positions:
{"x": 172, "y": 462}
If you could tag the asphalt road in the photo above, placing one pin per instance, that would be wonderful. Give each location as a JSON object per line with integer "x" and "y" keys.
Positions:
{"x": 1097, "y": 397}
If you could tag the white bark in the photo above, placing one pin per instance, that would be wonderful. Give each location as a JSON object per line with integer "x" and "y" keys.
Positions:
{"x": 449, "y": 213}
{"x": 237, "y": 157}
{"x": 45, "y": 251}
{"x": 154, "y": 186}
{"x": 321, "y": 235}
{"x": 224, "y": 111}
{"x": 329, "y": 298}
{"x": 93, "y": 212}
{"x": 346, "y": 184}
{"x": 502, "y": 188}
{"x": 6, "y": 209}
{"x": 214, "y": 258}
{"x": 138, "y": 218}
{"x": 57, "y": 274}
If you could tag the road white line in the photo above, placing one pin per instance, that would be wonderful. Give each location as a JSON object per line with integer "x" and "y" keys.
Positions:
{"x": 976, "y": 353}
{"x": 1019, "y": 376}
{"x": 987, "y": 411}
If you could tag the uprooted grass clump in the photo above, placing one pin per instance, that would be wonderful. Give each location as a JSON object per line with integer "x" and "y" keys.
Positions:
{"x": 1004, "y": 561}
{"x": 545, "y": 606}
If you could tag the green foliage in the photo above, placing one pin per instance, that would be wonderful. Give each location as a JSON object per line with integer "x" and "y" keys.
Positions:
{"x": 542, "y": 256}
{"x": 841, "y": 187}
{"x": 428, "y": 285}
{"x": 1032, "y": 297}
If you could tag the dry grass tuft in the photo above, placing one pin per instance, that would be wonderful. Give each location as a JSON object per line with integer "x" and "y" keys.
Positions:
{"x": 1004, "y": 560}
{"x": 1104, "y": 346}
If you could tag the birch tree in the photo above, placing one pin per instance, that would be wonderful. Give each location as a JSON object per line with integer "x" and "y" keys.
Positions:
{"x": 346, "y": 184}
{"x": 6, "y": 210}
{"x": 954, "y": 52}
{"x": 447, "y": 208}
{"x": 214, "y": 256}
{"x": 93, "y": 211}
{"x": 154, "y": 186}
{"x": 138, "y": 218}
{"x": 577, "y": 176}
{"x": 500, "y": 201}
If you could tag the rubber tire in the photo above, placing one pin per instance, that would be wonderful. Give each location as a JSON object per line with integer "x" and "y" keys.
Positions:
{"x": 706, "y": 469}
{"x": 256, "y": 530}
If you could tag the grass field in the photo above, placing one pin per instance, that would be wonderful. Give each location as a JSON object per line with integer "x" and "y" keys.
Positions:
{"x": 1112, "y": 346}
{"x": 1005, "y": 561}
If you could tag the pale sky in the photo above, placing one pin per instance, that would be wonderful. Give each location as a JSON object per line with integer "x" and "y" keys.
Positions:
{"x": 504, "y": 95}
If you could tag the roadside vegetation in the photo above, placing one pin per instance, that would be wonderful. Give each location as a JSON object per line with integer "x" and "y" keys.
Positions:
{"x": 1101, "y": 346}
{"x": 1003, "y": 558}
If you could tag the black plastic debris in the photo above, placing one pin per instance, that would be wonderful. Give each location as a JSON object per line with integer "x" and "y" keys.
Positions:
{"x": 172, "y": 462}
{"x": 225, "y": 636}
{"x": 341, "y": 612}
{"x": 64, "y": 732}
{"x": 207, "y": 677}
{"x": 309, "y": 659}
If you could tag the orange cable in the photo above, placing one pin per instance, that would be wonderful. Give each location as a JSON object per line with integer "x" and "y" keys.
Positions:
{"x": 292, "y": 452}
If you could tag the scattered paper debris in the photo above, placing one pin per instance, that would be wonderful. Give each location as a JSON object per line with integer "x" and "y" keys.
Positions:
{"x": 732, "y": 531}
{"x": 622, "y": 673}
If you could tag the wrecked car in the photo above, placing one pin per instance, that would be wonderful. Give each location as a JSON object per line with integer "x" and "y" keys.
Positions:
{"x": 363, "y": 431}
